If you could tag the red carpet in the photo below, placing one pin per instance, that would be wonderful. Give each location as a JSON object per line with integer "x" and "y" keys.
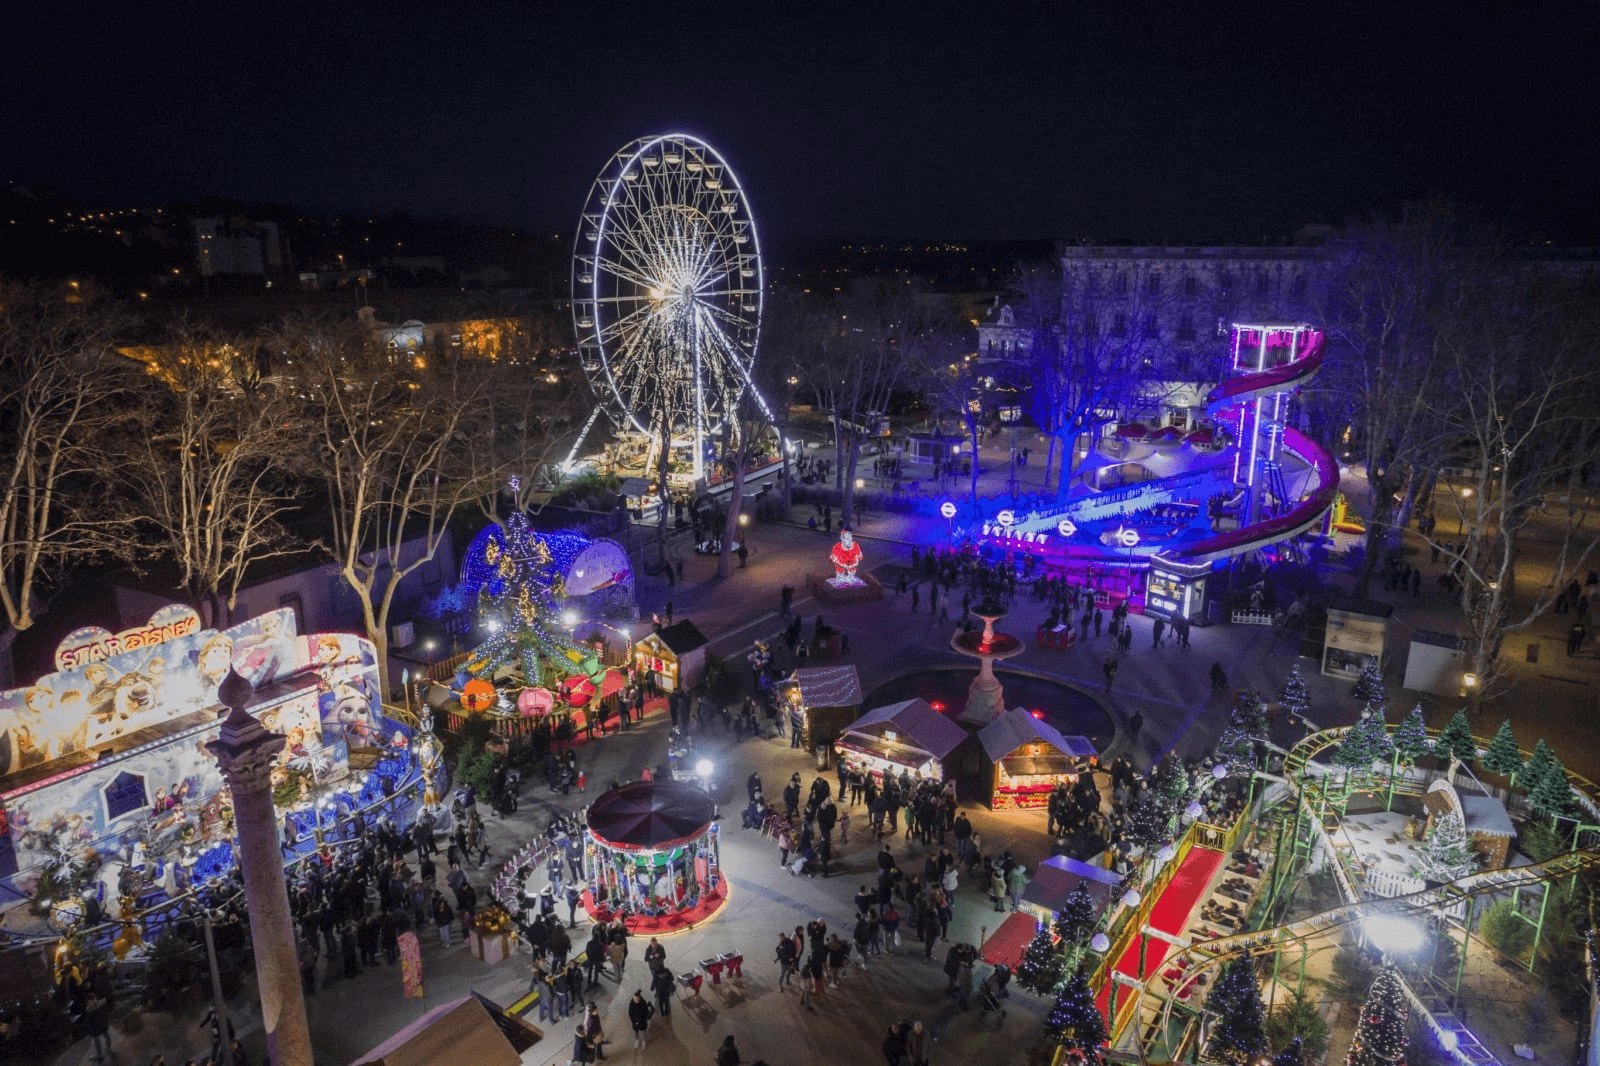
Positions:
{"x": 640, "y": 925}
{"x": 1170, "y": 915}
{"x": 1008, "y": 942}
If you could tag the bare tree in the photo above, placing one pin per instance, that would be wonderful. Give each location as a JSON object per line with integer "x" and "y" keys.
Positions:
{"x": 60, "y": 382}
{"x": 521, "y": 426}
{"x": 1390, "y": 287}
{"x": 211, "y": 468}
{"x": 391, "y": 436}
{"x": 1520, "y": 415}
{"x": 1090, "y": 349}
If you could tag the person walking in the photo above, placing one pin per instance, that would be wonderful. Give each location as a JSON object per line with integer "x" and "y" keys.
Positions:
{"x": 916, "y": 1046}
{"x": 916, "y": 597}
{"x": 639, "y": 1014}
{"x": 442, "y": 917}
{"x": 1135, "y": 724}
{"x": 728, "y": 1053}
{"x": 1109, "y": 668}
{"x": 661, "y": 983}
{"x": 997, "y": 888}
{"x": 894, "y": 1046}
{"x": 1018, "y": 879}
{"x": 788, "y": 960}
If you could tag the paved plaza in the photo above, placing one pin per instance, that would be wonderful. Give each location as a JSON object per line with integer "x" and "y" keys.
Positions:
{"x": 1168, "y": 687}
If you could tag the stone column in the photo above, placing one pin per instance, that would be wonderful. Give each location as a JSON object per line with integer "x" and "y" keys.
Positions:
{"x": 245, "y": 750}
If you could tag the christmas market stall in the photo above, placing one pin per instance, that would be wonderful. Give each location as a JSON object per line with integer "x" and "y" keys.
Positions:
{"x": 821, "y": 702}
{"x": 1057, "y": 878}
{"x": 1026, "y": 759}
{"x": 908, "y": 737}
{"x": 675, "y": 655}
{"x": 652, "y": 857}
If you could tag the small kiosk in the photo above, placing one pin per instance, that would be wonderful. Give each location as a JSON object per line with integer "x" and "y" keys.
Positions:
{"x": 1027, "y": 758}
{"x": 908, "y": 737}
{"x": 1358, "y": 631}
{"x": 675, "y": 654}
{"x": 1058, "y": 877}
{"x": 822, "y": 701}
{"x": 1177, "y": 590}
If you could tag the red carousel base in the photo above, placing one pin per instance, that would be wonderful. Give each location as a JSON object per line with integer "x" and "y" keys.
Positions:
{"x": 678, "y": 922}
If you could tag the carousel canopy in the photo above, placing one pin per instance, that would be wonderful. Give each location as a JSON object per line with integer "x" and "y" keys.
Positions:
{"x": 651, "y": 815}
{"x": 828, "y": 686}
{"x": 1016, "y": 728}
{"x": 915, "y": 722}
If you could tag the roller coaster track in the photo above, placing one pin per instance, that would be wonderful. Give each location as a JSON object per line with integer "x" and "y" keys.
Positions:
{"x": 1200, "y": 957}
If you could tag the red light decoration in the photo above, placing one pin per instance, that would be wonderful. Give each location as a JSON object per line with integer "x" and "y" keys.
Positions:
{"x": 937, "y": 706}
{"x": 1037, "y": 714}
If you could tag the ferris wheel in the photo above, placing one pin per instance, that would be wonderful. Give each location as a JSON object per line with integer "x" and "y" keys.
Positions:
{"x": 666, "y": 292}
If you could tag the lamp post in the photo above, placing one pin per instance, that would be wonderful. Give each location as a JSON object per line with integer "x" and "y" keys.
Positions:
{"x": 244, "y": 750}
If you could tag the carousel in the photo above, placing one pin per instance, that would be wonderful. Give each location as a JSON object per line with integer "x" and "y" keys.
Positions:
{"x": 652, "y": 857}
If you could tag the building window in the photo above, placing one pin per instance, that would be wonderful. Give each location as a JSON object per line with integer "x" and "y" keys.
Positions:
{"x": 1298, "y": 290}
{"x": 124, "y": 795}
{"x": 1261, "y": 284}
{"x": 1150, "y": 330}
{"x": 1119, "y": 326}
{"x": 1191, "y": 285}
{"x": 1122, "y": 284}
{"x": 1091, "y": 326}
{"x": 1152, "y": 285}
{"x": 1225, "y": 284}
{"x": 1186, "y": 328}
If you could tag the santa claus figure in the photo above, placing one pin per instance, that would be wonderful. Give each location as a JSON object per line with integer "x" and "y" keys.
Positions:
{"x": 846, "y": 557}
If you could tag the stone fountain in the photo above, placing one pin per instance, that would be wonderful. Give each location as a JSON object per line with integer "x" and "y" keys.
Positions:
{"x": 986, "y": 698}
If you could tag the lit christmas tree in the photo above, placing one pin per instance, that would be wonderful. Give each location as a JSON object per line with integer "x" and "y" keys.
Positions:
{"x": 1456, "y": 740}
{"x": 1380, "y": 1038}
{"x": 1367, "y": 742}
{"x": 1075, "y": 1021}
{"x": 1502, "y": 756}
{"x": 1551, "y": 795}
{"x": 1077, "y": 918}
{"x": 1411, "y": 739}
{"x": 1292, "y": 1055}
{"x": 1239, "y": 1035}
{"x": 1293, "y": 697}
{"x": 1540, "y": 763}
{"x": 520, "y": 605}
{"x": 1247, "y": 724}
{"x": 1446, "y": 854}
{"x": 1149, "y": 823}
{"x": 1042, "y": 965}
{"x": 1170, "y": 787}
{"x": 1369, "y": 686}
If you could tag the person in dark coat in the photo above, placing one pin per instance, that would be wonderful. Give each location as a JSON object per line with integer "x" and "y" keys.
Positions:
{"x": 661, "y": 983}
{"x": 894, "y": 1046}
{"x": 582, "y": 1050}
{"x": 639, "y": 1013}
{"x": 728, "y": 1053}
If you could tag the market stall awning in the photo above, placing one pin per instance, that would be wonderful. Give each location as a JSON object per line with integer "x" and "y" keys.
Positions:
{"x": 614, "y": 681}
{"x": 912, "y": 722}
{"x": 464, "y": 1030}
{"x": 1016, "y": 728}
{"x": 828, "y": 686}
{"x": 899, "y": 754}
{"x": 1010, "y": 940}
{"x": 1059, "y": 876}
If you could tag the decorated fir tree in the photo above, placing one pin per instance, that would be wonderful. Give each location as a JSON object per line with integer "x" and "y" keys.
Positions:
{"x": 1502, "y": 755}
{"x": 1551, "y": 795}
{"x": 1539, "y": 764}
{"x": 1293, "y": 1054}
{"x": 1247, "y": 724}
{"x": 1380, "y": 1038}
{"x": 1077, "y": 918}
{"x": 1456, "y": 740}
{"x": 1292, "y": 698}
{"x": 1369, "y": 686}
{"x": 1148, "y": 821}
{"x": 1170, "y": 787}
{"x": 1075, "y": 1022}
{"x": 1042, "y": 965}
{"x": 1411, "y": 739}
{"x": 1239, "y": 1035}
{"x": 1367, "y": 742}
{"x": 519, "y": 604}
{"x": 1446, "y": 854}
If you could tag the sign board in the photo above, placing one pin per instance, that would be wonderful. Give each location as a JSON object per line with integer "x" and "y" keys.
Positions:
{"x": 947, "y": 509}
{"x": 1006, "y": 518}
{"x": 1066, "y": 527}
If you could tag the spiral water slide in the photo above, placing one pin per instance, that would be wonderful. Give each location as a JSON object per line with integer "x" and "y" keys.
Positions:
{"x": 1227, "y": 403}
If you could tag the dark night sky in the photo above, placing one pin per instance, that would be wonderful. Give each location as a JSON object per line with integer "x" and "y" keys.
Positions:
{"x": 1139, "y": 119}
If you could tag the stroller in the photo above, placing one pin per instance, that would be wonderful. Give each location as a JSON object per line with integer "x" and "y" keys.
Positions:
{"x": 993, "y": 990}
